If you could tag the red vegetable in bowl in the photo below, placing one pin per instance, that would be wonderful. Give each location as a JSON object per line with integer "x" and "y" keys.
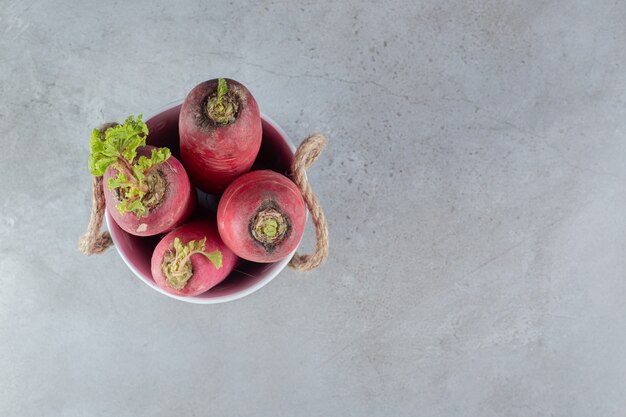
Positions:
{"x": 220, "y": 133}
{"x": 147, "y": 190}
{"x": 191, "y": 259}
{"x": 261, "y": 216}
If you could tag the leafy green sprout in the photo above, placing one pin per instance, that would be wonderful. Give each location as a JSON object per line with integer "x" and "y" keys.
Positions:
{"x": 222, "y": 107}
{"x": 117, "y": 146}
{"x": 177, "y": 266}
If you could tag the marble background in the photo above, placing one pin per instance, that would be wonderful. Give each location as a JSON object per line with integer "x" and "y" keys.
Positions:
{"x": 474, "y": 184}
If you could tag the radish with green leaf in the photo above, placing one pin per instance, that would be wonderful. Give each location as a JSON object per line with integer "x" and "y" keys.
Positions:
{"x": 147, "y": 190}
{"x": 220, "y": 133}
{"x": 261, "y": 216}
{"x": 191, "y": 259}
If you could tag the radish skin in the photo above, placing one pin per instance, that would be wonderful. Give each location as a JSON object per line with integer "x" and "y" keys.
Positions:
{"x": 176, "y": 205}
{"x": 261, "y": 216}
{"x": 214, "y": 150}
{"x": 205, "y": 274}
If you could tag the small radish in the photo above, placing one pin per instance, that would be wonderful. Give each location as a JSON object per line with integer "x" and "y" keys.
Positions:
{"x": 146, "y": 189}
{"x": 191, "y": 259}
{"x": 220, "y": 133}
{"x": 261, "y": 216}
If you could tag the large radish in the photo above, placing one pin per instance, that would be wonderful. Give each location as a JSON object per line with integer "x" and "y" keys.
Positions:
{"x": 146, "y": 189}
{"x": 261, "y": 216}
{"x": 191, "y": 259}
{"x": 220, "y": 133}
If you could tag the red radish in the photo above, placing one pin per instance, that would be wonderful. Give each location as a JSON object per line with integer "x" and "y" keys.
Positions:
{"x": 146, "y": 190}
{"x": 220, "y": 133}
{"x": 169, "y": 202}
{"x": 261, "y": 216}
{"x": 191, "y": 259}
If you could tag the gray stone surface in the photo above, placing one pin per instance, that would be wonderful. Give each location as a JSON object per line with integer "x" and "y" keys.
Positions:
{"x": 474, "y": 185}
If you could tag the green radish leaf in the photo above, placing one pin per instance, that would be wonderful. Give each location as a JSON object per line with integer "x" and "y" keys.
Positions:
{"x": 178, "y": 247}
{"x": 131, "y": 196}
{"x": 135, "y": 206}
{"x": 222, "y": 88}
{"x": 118, "y": 145}
{"x": 143, "y": 164}
{"x": 120, "y": 181}
{"x": 117, "y": 141}
{"x": 199, "y": 246}
{"x": 196, "y": 245}
{"x": 215, "y": 257}
{"x": 98, "y": 167}
{"x": 177, "y": 266}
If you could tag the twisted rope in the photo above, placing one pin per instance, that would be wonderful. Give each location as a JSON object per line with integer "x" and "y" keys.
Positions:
{"x": 306, "y": 154}
{"x": 92, "y": 241}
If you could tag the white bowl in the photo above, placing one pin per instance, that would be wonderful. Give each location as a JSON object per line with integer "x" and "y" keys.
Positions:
{"x": 276, "y": 153}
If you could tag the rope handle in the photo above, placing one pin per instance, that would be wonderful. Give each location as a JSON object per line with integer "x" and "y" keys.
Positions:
{"x": 306, "y": 154}
{"x": 93, "y": 242}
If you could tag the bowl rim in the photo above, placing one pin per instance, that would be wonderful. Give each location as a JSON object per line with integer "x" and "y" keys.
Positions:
{"x": 224, "y": 298}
